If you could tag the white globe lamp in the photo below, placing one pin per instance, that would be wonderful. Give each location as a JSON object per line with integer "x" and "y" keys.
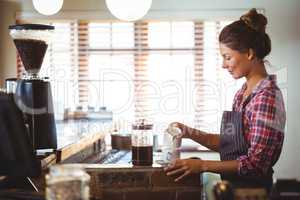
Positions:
{"x": 129, "y": 10}
{"x": 48, "y": 7}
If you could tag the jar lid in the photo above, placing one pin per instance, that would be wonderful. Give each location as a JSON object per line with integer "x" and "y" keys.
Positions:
{"x": 142, "y": 126}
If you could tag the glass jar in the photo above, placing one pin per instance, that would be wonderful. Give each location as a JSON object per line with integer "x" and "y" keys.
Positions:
{"x": 67, "y": 182}
{"x": 11, "y": 85}
{"x": 142, "y": 144}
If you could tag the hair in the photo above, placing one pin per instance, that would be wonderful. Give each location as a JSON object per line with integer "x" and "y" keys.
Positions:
{"x": 249, "y": 32}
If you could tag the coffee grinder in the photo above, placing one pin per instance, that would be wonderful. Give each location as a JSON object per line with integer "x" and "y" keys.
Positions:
{"x": 33, "y": 93}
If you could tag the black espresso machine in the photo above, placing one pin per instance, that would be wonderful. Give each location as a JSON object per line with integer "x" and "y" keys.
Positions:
{"x": 33, "y": 93}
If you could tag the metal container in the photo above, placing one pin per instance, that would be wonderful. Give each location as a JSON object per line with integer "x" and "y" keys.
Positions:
{"x": 121, "y": 141}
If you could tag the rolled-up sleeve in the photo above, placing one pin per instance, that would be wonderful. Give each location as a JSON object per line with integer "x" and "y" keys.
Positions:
{"x": 265, "y": 122}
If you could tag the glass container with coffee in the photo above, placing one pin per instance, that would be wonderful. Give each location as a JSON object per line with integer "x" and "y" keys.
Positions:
{"x": 142, "y": 144}
{"x": 33, "y": 93}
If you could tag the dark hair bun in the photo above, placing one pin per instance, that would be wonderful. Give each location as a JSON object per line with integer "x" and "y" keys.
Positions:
{"x": 255, "y": 20}
{"x": 249, "y": 32}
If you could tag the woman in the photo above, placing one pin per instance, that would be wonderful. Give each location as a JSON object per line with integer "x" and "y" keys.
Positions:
{"x": 251, "y": 135}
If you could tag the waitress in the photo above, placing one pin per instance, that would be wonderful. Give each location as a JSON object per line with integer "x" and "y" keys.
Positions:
{"x": 252, "y": 134}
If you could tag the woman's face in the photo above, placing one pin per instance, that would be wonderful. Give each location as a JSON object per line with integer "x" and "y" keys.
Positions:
{"x": 238, "y": 64}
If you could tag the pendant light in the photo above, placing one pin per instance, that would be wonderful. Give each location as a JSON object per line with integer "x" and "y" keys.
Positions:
{"x": 129, "y": 10}
{"x": 48, "y": 7}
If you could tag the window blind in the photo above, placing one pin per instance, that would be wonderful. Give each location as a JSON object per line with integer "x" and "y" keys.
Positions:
{"x": 199, "y": 64}
{"x": 20, "y": 67}
{"x": 83, "y": 62}
{"x": 141, "y": 78}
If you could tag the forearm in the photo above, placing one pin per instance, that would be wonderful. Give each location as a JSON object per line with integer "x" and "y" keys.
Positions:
{"x": 230, "y": 166}
{"x": 210, "y": 141}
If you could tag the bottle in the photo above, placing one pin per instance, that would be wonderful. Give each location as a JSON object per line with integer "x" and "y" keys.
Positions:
{"x": 67, "y": 182}
{"x": 142, "y": 144}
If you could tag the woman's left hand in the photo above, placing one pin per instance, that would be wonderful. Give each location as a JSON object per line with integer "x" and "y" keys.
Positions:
{"x": 184, "y": 167}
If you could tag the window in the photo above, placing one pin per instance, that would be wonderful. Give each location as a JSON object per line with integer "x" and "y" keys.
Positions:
{"x": 163, "y": 71}
{"x": 60, "y": 65}
{"x": 111, "y": 67}
{"x": 171, "y": 71}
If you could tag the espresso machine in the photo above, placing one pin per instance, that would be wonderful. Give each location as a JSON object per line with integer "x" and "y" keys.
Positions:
{"x": 33, "y": 93}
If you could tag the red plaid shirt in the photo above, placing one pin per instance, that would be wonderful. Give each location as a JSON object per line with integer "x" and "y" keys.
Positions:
{"x": 264, "y": 121}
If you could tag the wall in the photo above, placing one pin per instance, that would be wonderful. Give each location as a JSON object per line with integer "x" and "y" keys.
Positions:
{"x": 283, "y": 28}
{"x": 7, "y": 49}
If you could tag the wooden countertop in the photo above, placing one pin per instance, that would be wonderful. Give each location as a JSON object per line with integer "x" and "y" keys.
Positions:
{"x": 77, "y": 140}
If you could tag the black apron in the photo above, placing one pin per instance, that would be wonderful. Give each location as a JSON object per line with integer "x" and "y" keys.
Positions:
{"x": 233, "y": 145}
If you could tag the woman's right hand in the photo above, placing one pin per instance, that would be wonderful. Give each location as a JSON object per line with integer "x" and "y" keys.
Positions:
{"x": 186, "y": 130}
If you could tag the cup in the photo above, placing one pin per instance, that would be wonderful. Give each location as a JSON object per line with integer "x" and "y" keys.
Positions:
{"x": 171, "y": 144}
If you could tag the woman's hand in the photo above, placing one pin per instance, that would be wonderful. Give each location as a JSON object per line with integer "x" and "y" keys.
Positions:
{"x": 186, "y": 131}
{"x": 184, "y": 167}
